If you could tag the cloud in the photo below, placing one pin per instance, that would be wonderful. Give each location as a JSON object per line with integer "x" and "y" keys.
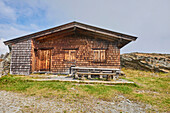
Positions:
{"x": 6, "y": 13}
{"x": 3, "y": 48}
{"x": 13, "y": 31}
{"x": 10, "y": 31}
{"x": 147, "y": 19}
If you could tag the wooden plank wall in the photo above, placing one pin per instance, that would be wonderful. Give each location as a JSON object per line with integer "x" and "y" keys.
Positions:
{"x": 21, "y": 58}
{"x": 84, "y": 53}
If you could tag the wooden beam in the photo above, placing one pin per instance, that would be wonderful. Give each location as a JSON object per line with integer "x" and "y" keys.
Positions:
{"x": 59, "y": 34}
{"x": 103, "y": 33}
{"x": 95, "y": 68}
{"x": 94, "y": 35}
{"x": 80, "y": 73}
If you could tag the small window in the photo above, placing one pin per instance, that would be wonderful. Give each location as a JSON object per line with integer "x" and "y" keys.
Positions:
{"x": 99, "y": 56}
{"x": 70, "y": 55}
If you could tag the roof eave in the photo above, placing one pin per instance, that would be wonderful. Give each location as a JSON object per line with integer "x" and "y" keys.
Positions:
{"x": 73, "y": 25}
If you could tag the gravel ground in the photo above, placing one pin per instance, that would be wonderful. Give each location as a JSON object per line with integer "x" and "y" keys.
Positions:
{"x": 11, "y": 102}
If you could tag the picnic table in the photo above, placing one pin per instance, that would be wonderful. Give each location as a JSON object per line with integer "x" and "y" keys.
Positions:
{"x": 82, "y": 72}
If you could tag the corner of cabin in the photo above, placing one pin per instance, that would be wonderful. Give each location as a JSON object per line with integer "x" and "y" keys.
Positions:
{"x": 21, "y": 58}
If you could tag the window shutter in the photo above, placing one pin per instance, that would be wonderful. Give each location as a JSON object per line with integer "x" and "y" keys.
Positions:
{"x": 96, "y": 55}
{"x": 66, "y": 55}
{"x": 72, "y": 55}
{"x": 99, "y": 55}
{"x": 102, "y": 55}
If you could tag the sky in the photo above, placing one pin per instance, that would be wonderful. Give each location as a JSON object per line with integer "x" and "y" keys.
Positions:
{"x": 149, "y": 20}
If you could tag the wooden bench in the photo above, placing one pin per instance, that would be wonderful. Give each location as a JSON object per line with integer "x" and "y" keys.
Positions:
{"x": 80, "y": 72}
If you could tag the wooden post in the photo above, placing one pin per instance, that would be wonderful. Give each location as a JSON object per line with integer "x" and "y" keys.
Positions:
{"x": 71, "y": 73}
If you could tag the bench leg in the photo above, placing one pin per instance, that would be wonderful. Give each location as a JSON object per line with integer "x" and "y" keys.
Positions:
{"x": 114, "y": 77}
{"x": 108, "y": 77}
{"x": 101, "y": 76}
{"x": 82, "y": 77}
{"x": 89, "y": 77}
{"x": 76, "y": 76}
{"x": 117, "y": 75}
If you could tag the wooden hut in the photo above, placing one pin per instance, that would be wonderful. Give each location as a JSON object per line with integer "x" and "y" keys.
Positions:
{"x": 58, "y": 49}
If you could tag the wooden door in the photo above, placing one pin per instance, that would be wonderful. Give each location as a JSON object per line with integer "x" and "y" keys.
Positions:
{"x": 45, "y": 60}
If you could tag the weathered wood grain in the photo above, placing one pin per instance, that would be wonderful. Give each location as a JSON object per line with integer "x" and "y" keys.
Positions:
{"x": 21, "y": 58}
{"x": 82, "y": 46}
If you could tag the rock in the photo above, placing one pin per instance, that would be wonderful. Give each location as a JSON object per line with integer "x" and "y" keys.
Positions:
{"x": 2, "y": 55}
{"x": 146, "y": 61}
{"x": 5, "y": 64}
{"x": 122, "y": 73}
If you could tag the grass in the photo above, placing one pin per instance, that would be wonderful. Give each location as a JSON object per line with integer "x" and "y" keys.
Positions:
{"x": 150, "y": 88}
{"x": 153, "y": 88}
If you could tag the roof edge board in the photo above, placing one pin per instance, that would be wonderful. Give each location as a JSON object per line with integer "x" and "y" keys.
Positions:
{"x": 106, "y": 30}
{"x": 57, "y": 29}
{"x": 39, "y": 32}
{"x": 112, "y": 35}
{"x": 74, "y": 24}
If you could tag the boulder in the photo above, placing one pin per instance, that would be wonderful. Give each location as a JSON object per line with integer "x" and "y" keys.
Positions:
{"x": 146, "y": 61}
{"x": 5, "y": 64}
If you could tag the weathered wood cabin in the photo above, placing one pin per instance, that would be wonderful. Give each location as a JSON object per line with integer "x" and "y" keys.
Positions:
{"x": 74, "y": 44}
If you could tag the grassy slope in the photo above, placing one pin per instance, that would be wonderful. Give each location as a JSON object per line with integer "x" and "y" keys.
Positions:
{"x": 151, "y": 88}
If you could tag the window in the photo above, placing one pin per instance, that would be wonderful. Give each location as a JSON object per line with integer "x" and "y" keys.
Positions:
{"x": 70, "y": 55}
{"x": 99, "y": 56}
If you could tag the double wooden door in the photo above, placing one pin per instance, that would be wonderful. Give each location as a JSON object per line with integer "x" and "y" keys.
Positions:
{"x": 45, "y": 60}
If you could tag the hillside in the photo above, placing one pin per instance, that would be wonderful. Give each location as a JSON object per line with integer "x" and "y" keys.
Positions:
{"x": 146, "y": 61}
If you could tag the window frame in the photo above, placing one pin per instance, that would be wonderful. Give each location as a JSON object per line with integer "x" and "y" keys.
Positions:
{"x": 69, "y": 57}
{"x": 99, "y": 55}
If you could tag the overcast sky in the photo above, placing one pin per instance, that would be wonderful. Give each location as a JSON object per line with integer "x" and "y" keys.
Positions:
{"x": 149, "y": 20}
